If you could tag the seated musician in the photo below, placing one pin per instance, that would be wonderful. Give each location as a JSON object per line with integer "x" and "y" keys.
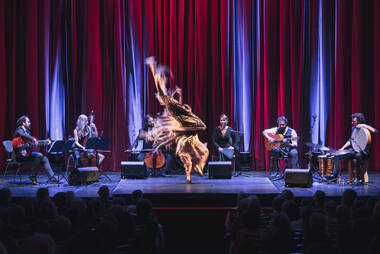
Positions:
{"x": 358, "y": 121}
{"x": 288, "y": 144}
{"x": 23, "y": 131}
{"x": 82, "y": 132}
{"x": 226, "y": 140}
{"x": 144, "y": 141}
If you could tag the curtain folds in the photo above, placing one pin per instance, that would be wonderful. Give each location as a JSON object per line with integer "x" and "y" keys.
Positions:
{"x": 252, "y": 60}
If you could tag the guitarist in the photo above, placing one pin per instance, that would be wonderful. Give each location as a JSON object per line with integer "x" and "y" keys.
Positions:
{"x": 23, "y": 131}
{"x": 225, "y": 138}
{"x": 288, "y": 144}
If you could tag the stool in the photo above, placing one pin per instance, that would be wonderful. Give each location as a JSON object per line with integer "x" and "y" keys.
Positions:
{"x": 283, "y": 160}
{"x": 352, "y": 174}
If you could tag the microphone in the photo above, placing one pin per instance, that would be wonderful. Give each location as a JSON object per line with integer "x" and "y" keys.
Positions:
{"x": 314, "y": 116}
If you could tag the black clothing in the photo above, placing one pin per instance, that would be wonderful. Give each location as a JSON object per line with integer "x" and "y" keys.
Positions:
{"x": 231, "y": 138}
{"x": 140, "y": 137}
{"x": 24, "y": 133}
{"x": 358, "y": 156}
{"x": 37, "y": 158}
{"x": 140, "y": 156}
{"x": 284, "y": 151}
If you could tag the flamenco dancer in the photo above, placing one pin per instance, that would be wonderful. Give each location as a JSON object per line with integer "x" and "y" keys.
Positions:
{"x": 178, "y": 125}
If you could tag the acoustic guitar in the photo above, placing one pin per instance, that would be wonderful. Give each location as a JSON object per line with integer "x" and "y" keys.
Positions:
{"x": 24, "y": 148}
{"x": 278, "y": 139}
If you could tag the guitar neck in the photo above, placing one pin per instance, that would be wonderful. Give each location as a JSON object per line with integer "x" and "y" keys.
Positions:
{"x": 31, "y": 144}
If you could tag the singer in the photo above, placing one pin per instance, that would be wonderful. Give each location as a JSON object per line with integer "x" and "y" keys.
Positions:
{"x": 226, "y": 140}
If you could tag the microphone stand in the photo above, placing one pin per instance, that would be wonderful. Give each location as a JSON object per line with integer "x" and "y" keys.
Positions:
{"x": 310, "y": 153}
{"x": 236, "y": 174}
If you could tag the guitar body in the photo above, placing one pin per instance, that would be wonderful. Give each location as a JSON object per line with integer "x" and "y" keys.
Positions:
{"x": 270, "y": 146}
{"x": 24, "y": 148}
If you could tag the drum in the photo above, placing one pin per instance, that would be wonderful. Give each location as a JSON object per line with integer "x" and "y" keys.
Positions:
{"x": 326, "y": 164}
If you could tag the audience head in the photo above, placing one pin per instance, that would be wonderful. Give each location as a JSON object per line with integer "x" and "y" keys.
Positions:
{"x": 136, "y": 196}
{"x": 60, "y": 228}
{"x": 288, "y": 195}
{"x": 331, "y": 207}
{"x": 39, "y": 243}
{"x": 343, "y": 214}
{"x": 144, "y": 207}
{"x": 5, "y": 196}
{"x": 281, "y": 221}
{"x": 318, "y": 223}
{"x": 104, "y": 192}
{"x": 43, "y": 194}
{"x": 277, "y": 202}
{"x": 319, "y": 199}
{"x": 290, "y": 208}
{"x": 349, "y": 195}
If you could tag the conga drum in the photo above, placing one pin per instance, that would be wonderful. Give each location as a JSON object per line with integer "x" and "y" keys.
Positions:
{"x": 326, "y": 165}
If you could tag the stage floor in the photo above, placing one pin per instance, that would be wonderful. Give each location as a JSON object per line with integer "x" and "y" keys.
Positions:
{"x": 172, "y": 190}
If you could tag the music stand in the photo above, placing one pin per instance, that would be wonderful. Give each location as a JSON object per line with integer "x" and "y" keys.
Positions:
{"x": 61, "y": 147}
{"x": 99, "y": 143}
{"x": 69, "y": 145}
{"x": 57, "y": 147}
{"x": 55, "y": 156}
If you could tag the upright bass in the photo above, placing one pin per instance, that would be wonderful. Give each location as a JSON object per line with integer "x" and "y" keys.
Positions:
{"x": 89, "y": 158}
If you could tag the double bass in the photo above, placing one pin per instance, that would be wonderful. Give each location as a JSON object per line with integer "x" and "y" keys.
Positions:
{"x": 89, "y": 158}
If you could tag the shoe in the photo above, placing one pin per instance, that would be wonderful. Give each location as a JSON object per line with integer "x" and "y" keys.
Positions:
{"x": 278, "y": 177}
{"x": 54, "y": 180}
{"x": 324, "y": 179}
{"x": 358, "y": 182}
{"x": 34, "y": 180}
{"x": 274, "y": 175}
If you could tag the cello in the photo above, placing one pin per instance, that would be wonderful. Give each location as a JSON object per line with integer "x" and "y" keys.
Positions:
{"x": 155, "y": 160}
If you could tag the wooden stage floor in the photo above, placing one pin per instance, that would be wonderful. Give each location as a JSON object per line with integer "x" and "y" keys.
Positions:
{"x": 172, "y": 190}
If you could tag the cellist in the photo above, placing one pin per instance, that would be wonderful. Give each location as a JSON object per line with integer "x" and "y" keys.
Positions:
{"x": 144, "y": 141}
{"x": 82, "y": 132}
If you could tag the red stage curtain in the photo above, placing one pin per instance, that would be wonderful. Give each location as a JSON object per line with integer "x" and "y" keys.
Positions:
{"x": 97, "y": 42}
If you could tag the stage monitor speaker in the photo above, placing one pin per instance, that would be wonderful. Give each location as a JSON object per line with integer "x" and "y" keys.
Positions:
{"x": 244, "y": 161}
{"x": 133, "y": 170}
{"x": 298, "y": 178}
{"x": 85, "y": 175}
{"x": 219, "y": 170}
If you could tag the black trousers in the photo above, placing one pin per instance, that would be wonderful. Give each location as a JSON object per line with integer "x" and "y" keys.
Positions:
{"x": 277, "y": 153}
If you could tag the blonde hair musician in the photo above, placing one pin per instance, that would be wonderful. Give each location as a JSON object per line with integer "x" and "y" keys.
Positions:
{"x": 82, "y": 132}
